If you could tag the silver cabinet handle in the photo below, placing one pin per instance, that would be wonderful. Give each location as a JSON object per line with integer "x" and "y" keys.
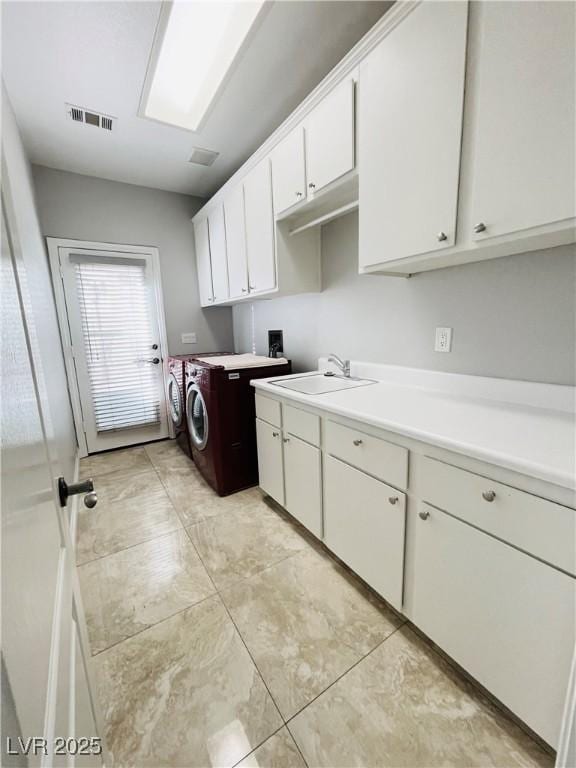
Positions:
{"x": 275, "y": 434}
{"x": 424, "y": 514}
{"x": 488, "y": 495}
{"x": 311, "y": 185}
{"x": 357, "y": 442}
{"x": 441, "y": 236}
{"x": 153, "y": 360}
{"x": 244, "y": 290}
{"x": 393, "y": 499}
{"x": 298, "y": 194}
{"x": 481, "y": 227}
{"x": 252, "y": 287}
{"x": 286, "y": 439}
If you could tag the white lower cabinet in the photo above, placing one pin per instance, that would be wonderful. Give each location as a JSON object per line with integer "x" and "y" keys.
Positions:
{"x": 303, "y": 484}
{"x": 364, "y": 525}
{"x": 270, "y": 465}
{"x": 506, "y": 617}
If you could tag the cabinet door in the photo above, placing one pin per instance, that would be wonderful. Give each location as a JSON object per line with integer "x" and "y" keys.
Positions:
{"x": 203, "y": 265}
{"x": 236, "y": 242}
{"x": 302, "y": 476}
{"x": 524, "y": 113}
{"x": 217, "y": 236}
{"x": 410, "y": 102}
{"x": 288, "y": 171}
{"x": 364, "y": 524}
{"x": 330, "y": 137}
{"x": 270, "y": 467}
{"x": 260, "y": 228}
{"x": 504, "y": 616}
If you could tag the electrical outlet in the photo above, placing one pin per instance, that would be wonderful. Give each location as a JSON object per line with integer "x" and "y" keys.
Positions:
{"x": 443, "y": 340}
{"x": 189, "y": 338}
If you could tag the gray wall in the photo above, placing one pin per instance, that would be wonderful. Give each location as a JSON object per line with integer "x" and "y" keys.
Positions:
{"x": 513, "y": 317}
{"x": 46, "y": 346}
{"x": 87, "y": 208}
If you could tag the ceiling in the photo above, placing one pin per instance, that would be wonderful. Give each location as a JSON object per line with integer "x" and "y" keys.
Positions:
{"x": 94, "y": 54}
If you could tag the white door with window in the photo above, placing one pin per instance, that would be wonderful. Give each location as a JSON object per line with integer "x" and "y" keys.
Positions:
{"x": 111, "y": 319}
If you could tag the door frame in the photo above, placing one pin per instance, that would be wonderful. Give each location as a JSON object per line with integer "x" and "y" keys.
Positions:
{"x": 54, "y": 245}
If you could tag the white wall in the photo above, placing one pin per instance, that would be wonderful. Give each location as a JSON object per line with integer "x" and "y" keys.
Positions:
{"x": 513, "y": 317}
{"x": 28, "y": 238}
{"x": 87, "y": 208}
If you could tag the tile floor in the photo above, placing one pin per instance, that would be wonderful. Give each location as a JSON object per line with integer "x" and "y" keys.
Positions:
{"x": 223, "y": 635}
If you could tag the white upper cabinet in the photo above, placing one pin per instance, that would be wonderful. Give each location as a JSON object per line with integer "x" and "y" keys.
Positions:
{"x": 289, "y": 171}
{"x": 236, "y": 242}
{"x": 203, "y": 266}
{"x": 217, "y": 238}
{"x": 524, "y": 112}
{"x": 411, "y": 91}
{"x": 330, "y": 137}
{"x": 259, "y": 219}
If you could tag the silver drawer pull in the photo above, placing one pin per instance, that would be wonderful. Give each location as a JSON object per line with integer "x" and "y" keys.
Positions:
{"x": 393, "y": 499}
{"x": 275, "y": 434}
{"x": 357, "y": 442}
{"x": 286, "y": 439}
{"x": 488, "y": 495}
{"x": 424, "y": 514}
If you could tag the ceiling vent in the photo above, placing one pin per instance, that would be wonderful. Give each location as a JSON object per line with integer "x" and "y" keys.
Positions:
{"x": 203, "y": 156}
{"x": 86, "y": 116}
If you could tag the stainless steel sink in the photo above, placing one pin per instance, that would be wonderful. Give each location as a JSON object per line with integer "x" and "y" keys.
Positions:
{"x": 321, "y": 384}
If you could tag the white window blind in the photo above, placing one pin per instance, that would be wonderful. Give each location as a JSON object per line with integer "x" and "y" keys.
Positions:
{"x": 118, "y": 339}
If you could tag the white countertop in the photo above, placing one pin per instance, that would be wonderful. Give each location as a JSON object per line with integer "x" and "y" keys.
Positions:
{"x": 521, "y": 426}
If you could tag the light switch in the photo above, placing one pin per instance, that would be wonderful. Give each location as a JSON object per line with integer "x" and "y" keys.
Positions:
{"x": 189, "y": 338}
{"x": 443, "y": 340}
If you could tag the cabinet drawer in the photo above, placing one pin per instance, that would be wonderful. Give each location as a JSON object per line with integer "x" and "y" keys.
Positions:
{"x": 364, "y": 524}
{"x": 507, "y": 618}
{"x": 301, "y": 424}
{"x": 268, "y": 410}
{"x": 377, "y": 457}
{"x": 540, "y": 527}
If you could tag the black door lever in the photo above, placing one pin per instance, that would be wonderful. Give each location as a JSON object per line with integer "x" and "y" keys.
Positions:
{"x": 85, "y": 486}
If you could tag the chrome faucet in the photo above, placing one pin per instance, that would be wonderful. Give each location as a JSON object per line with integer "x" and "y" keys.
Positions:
{"x": 344, "y": 365}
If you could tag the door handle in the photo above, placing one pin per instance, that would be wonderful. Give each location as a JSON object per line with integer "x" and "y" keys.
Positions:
{"x": 153, "y": 360}
{"x": 84, "y": 486}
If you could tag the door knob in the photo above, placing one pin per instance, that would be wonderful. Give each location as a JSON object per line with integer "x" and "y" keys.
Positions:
{"x": 85, "y": 486}
{"x": 312, "y": 185}
{"x": 481, "y": 227}
{"x": 424, "y": 514}
{"x": 393, "y": 499}
{"x": 154, "y": 360}
{"x": 489, "y": 495}
{"x": 357, "y": 442}
{"x": 441, "y": 236}
{"x": 154, "y": 346}
{"x": 298, "y": 194}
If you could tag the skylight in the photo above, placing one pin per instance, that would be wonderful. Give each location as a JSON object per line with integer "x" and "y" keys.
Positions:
{"x": 193, "y": 57}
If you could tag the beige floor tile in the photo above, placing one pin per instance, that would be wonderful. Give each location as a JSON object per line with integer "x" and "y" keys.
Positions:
{"x": 138, "y": 587}
{"x": 108, "y": 528}
{"x": 279, "y": 751}
{"x": 241, "y": 543}
{"x": 166, "y": 453}
{"x": 184, "y": 693}
{"x": 195, "y": 500}
{"x": 404, "y": 706}
{"x": 305, "y": 622}
{"x": 127, "y": 484}
{"x": 113, "y": 461}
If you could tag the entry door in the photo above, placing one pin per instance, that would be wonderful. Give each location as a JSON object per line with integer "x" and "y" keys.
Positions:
{"x": 46, "y": 677}
{"x": 112, "y": 303}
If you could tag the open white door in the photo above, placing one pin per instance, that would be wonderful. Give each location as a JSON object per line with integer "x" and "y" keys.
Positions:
{"x": 49, "y": 713}
{"x": 117, "y": 343}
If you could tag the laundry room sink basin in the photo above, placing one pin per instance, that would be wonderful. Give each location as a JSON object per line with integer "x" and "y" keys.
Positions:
{"x": 320, "y": 384}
